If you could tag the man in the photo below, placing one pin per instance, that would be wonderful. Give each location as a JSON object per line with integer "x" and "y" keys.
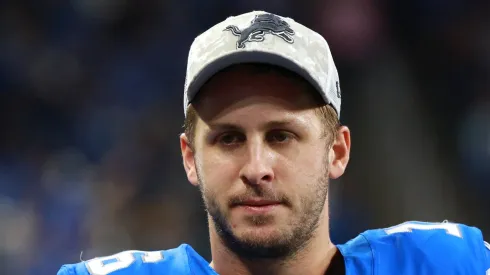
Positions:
{"x": 262, "y": 139}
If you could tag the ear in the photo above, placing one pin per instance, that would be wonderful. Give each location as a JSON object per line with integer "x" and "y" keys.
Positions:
{"x": 339, "y": 153}
{"x": 188, "y": 160}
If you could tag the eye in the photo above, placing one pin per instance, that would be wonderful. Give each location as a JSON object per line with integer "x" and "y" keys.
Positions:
{"x": 279, "y": 136}
{"x": 230, "y": 138}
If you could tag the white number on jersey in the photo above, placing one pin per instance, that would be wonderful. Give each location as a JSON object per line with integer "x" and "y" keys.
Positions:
{"x": 450, "y": 228}
{"x": 109, "y": 264}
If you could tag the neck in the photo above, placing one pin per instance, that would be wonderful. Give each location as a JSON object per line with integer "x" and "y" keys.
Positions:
{"x": 313, "y": 259}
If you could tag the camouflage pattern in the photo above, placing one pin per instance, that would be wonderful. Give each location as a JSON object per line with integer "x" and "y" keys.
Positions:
{"x": 267, "y": 37}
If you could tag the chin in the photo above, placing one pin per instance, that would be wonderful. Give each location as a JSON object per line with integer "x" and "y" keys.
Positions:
{"x": 262, "y": 228}
{"x": 262, "y": 235}
{"x": 264, "y": 242}
{"x": 260, "y": 232}
{"x": 256, "y": 236}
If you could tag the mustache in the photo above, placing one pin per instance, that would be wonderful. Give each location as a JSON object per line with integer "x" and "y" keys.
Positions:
{"x": 258, "y": 193}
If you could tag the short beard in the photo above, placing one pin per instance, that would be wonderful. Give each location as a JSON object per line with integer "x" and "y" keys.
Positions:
{"x": 279, "y": 249}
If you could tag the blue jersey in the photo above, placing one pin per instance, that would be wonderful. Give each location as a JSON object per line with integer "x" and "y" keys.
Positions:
{"x": 408, "y": 248}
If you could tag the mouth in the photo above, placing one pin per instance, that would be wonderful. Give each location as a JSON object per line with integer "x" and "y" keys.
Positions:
{"x": 258, "y": 202}
{"x": 257, "y": 206}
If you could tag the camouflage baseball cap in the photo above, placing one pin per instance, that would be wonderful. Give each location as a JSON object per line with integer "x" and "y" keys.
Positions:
{"x": 261, "y": 37}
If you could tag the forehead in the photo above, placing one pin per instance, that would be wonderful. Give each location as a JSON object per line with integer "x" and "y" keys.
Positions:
{"x": 274, "y": 89}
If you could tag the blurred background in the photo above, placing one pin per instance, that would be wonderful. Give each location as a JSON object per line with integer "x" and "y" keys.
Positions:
{"x": 91, "y": 109}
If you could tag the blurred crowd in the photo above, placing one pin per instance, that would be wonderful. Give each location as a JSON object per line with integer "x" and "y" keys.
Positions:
{"x": 91, "y": 109}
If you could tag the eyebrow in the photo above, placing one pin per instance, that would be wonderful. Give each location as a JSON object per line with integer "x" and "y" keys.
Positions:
{"x": 271, "y": 124}
{"x": 224, "y": 127}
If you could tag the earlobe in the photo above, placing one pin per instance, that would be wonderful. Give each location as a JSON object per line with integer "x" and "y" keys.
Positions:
{"x": 340, "y": 153}
{"x": 188, "y": 160}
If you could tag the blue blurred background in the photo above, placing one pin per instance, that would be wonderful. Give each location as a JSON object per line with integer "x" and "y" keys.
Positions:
{"x": 91, "y": 109}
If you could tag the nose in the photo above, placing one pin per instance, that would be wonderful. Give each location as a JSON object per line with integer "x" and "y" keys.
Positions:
{"x": 258, "y": 168}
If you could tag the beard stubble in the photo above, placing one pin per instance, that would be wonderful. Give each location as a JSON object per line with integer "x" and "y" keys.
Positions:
{"x": 289, "y": 241}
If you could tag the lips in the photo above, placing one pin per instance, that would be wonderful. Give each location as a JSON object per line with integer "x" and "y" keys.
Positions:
{"x": 256, "y": 206}
{"x": 258, "y": 203}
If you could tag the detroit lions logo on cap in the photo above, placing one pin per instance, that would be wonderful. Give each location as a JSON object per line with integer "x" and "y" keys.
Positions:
{"x": 261, "y": 25}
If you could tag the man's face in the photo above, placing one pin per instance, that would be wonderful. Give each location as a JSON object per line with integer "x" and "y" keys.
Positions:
{"x": 261, "y": 160}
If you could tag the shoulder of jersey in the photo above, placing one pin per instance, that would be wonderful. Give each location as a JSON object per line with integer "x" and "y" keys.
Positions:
{"x": 420, "y": 248}
{"x": 181, "y": 260}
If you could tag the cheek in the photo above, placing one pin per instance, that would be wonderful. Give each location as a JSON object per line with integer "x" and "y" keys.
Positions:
{"x": 303, "y": 174}
{"x": 216, "y": 172}
{"x": 307, "y": 164}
